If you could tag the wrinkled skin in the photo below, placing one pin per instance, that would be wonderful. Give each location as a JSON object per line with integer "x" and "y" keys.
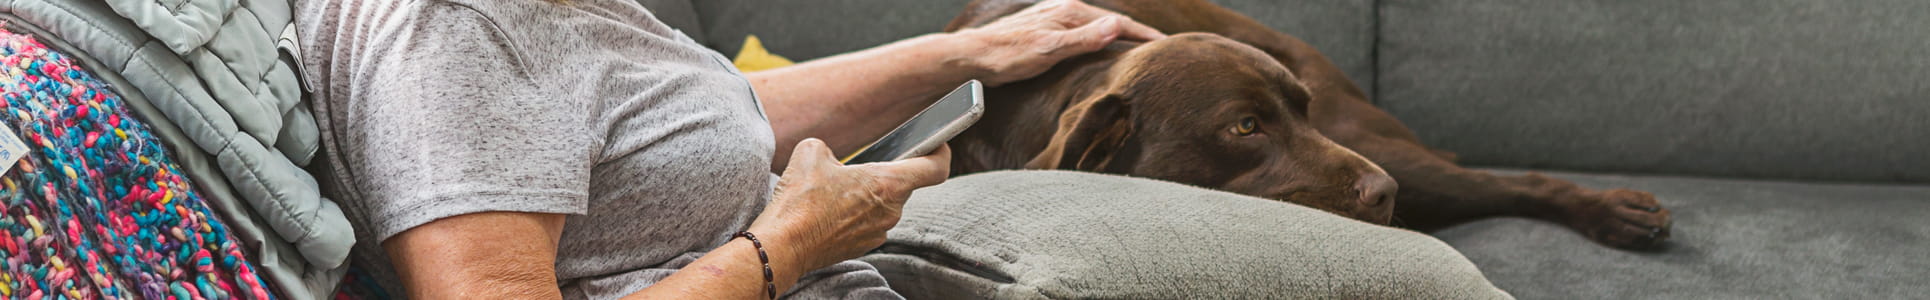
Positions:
{"x": 1239, "y": 107}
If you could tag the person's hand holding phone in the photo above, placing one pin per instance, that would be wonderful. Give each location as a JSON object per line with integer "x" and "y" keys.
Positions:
{"x": 824, "y": 212}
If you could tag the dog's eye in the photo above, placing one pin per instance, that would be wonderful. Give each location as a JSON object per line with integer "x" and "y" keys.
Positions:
{"x": 1247, "y": 126}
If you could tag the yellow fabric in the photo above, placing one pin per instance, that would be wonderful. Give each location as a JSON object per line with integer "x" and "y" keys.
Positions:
{"x": 754, "y": 57}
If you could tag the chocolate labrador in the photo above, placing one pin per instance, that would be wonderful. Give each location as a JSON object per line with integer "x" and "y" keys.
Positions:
{"x": 1234, "y": 105}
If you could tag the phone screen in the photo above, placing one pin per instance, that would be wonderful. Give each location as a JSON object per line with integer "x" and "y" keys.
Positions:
{"x": 929, "y": 129}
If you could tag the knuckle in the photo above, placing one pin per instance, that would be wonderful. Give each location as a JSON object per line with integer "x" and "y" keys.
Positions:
{"x": 1056, "y": 4}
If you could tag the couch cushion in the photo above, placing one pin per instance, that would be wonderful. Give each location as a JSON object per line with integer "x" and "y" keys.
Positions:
{"x": 1732, "y": 239}
{"x": 806, "y": 30}
{"x": 1759, "y": 88}
{"x": 1069, "y": 235}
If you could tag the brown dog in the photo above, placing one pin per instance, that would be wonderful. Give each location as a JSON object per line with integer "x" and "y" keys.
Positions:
{"x": 1243, "y": 108}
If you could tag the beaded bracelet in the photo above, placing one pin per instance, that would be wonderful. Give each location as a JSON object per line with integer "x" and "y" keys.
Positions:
{"x": 770, "y": 288}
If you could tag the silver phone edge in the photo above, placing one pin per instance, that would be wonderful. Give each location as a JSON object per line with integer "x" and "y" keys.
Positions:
{"x": 952, "y": 129}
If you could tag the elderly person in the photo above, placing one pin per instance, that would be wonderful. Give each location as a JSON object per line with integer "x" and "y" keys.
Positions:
{"x": 583, "y": 149}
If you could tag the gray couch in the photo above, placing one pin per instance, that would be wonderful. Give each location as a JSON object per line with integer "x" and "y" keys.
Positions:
{"x": 1788, "y": 136}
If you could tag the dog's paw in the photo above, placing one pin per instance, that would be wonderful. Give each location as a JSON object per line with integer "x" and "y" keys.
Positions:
{"x": 1621, "y": 218}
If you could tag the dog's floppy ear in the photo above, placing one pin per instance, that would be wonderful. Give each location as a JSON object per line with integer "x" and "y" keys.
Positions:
{"x": 1089, "y": 134}
{"x": 1298, "y": 96}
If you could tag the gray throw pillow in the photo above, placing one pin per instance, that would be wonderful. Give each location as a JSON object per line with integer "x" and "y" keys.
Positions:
{"x": 1069, "y": 235}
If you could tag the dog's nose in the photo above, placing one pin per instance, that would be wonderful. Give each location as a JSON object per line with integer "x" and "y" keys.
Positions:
{"x": 1376, "y": 189}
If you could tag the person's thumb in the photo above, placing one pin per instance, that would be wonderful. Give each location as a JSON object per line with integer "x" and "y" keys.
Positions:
{"x": 923, "y": 171}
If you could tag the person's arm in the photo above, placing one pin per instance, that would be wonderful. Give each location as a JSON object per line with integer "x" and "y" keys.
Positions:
{"x": 511, "y": 255}
{"x": 502, "y": 255}
{"x": 823, "y": 212}
{"x": 851, "y": 99}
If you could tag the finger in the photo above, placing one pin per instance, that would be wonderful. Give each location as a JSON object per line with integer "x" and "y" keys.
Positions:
{"x": 1066, "y": 13}
{"x": 1133, "y": 30}
{"x": 923, "y": 171}
{"x": 1052, "y": 5}
{"x": 1081, "y": 13}
{"x": 944, "y": 158}
{"x": 1092, "y": 36}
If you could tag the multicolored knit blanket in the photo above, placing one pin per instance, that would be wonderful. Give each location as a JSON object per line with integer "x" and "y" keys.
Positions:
{"x": 96, "y": 210}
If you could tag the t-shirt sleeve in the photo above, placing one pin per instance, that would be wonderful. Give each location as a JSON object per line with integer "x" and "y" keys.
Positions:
{"x": 449, "y": 122}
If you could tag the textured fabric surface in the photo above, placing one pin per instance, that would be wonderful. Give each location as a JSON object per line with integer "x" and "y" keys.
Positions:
{"x": 1067, "y": 235}
{"x": 1790, "y": 89}
{"x": 1733, "y": 239}
{"x": 230, "y": 45}
{"x": 654, "y": 146}
{"x": 275, "y": 204}
{"x": 278, "y": 262}
{"x": 98, "y": 209}
{"x": 808, "y": 29}
{"x": 261, "y": 133}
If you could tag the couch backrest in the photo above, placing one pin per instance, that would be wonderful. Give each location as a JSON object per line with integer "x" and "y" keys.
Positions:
{"x": 1786, "y": 89}
{"x": 1789, "y": 89}
{"x": 679, "y": 14}
{"x": 807, "y": 29}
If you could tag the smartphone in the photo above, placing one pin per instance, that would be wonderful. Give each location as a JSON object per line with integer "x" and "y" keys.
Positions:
{"x": 927, "y": 130}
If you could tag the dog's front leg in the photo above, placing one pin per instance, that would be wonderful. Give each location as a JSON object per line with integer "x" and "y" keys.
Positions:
{"x": 1436, "y": 193}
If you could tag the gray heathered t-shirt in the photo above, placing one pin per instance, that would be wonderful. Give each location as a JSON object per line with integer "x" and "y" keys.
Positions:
{"x": 654, "y": 146}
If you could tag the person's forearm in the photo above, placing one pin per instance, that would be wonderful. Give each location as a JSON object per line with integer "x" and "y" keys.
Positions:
{"x": 852, "y": 99}
{"x": 731, "y": 271}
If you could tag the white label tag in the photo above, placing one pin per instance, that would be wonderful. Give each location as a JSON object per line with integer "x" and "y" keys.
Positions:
{"x": 11, "y": 149}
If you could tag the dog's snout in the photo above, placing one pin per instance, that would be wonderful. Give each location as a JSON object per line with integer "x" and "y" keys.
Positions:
{"x": 1376, "y": 189}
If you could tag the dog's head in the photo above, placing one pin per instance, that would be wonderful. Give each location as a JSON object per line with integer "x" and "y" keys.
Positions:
{"x": 1210, "y": 111}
